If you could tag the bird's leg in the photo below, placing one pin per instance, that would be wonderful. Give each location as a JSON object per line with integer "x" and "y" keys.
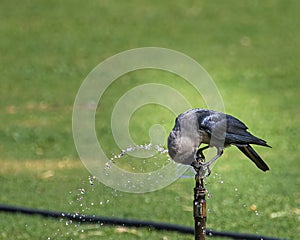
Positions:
{"x": 210, "y": 162}
{"x": 200, "y": 154}
{"x": 199, "y": 158}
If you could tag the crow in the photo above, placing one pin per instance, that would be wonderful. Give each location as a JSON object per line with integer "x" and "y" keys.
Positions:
{"x": 201, "y": 126}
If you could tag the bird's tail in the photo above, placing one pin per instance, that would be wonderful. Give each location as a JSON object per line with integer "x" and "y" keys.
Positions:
{"x": 251, "y": 154}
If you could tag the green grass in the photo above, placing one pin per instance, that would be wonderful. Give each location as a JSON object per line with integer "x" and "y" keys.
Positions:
{"x": 250, "y": 48}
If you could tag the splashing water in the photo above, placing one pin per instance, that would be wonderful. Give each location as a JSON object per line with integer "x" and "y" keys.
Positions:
{"x": 85, "y": 201}
{"x": 85, "y": 198}
{"x": 92, "y": 180}
{"x": 141, "y": 147}
{"x": 156, "y": 152}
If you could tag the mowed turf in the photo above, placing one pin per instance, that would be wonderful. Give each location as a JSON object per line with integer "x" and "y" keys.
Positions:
{"x": 251, "y": 50}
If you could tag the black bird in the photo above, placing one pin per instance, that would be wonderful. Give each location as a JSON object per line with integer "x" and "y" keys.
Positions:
{"x": 197, "y": 126}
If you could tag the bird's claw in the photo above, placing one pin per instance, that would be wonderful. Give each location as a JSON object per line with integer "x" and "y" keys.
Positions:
{"x": 196, "y": 165}
{"x": 201, "y": 168}
{"x": 208, "y": 171}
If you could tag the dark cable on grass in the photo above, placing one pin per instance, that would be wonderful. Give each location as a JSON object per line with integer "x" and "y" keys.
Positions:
{"x": 128, "y": 223}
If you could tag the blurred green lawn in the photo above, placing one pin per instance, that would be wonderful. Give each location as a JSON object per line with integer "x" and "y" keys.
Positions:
{"x": 47, "y": 48}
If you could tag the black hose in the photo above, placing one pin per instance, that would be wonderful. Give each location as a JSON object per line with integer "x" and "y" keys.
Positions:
{"x": 128, "y": 223}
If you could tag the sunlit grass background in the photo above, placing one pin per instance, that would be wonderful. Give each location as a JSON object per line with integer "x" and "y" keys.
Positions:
{"x": 47, "y": 48}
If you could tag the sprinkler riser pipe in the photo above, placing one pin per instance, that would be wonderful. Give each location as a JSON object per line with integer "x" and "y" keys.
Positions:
{"x": 199, "y": 209}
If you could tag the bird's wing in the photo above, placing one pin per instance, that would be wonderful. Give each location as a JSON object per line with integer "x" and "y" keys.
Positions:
{"x": 213, "y": 123}
{"x": 226, "y": 129}
{"x": 237, "y": 133}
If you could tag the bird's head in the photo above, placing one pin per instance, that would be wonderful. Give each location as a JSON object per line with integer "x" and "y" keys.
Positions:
{"x": 184, "y": 138}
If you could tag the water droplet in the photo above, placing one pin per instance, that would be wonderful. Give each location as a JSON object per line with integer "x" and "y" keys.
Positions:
{"x": 101, "y": 203}
{"x": 69, "y": 222}
{"x": 82, "y": 191}
{"x": 107, "y": 201}
{"x": 91, "y": 180}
